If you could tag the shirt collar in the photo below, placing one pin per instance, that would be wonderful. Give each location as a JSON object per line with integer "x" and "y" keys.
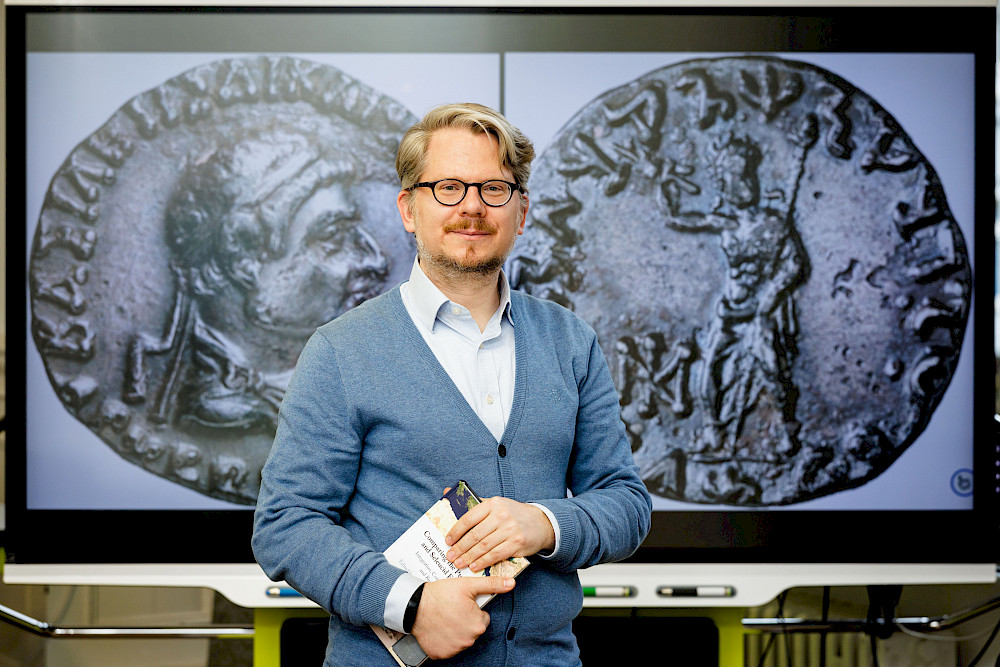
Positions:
{"x": 427, "y": 299}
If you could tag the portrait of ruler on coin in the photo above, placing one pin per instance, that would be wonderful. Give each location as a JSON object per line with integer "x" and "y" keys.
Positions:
{"x": 190, "y": 245}
{"x": 772, "y": 268}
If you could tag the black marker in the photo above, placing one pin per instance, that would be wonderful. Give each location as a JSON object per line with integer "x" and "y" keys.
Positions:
{"x": 696, "y": 591}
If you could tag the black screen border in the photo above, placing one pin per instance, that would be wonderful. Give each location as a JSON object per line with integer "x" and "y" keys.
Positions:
{"x": 179, "y": 536}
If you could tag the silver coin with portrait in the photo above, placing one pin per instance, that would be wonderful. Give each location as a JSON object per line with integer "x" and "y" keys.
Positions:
{"x": 189, "y": 246}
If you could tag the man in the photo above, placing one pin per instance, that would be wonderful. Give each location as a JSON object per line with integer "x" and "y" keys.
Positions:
{"x": 452, "y": 376}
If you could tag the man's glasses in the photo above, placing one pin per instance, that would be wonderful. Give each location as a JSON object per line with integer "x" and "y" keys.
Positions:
{"x": 452, "y": 191}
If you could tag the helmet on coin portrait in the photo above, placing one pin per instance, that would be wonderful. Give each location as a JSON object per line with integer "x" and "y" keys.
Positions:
{"x": 264, "y": 237}
{"x": 268, "y": 221}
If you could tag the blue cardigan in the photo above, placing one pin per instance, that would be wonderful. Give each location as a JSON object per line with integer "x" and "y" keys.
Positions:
{"x": 372, "y": 429}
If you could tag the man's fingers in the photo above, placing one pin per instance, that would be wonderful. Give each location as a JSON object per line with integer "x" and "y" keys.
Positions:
{"x": 484, "y": 554}
{"x": 474, "y": 544}
{"x": 495, "y": 530}
{"x": 489, "y": 585}
{"x": 449, "y": 619}
{"x": 498, "y": 553}
{"x": 467, "y": 522}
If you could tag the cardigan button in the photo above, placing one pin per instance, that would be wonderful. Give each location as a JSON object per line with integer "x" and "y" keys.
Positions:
{"x": 502, "y": 451}
{"x": 511, "y": 633}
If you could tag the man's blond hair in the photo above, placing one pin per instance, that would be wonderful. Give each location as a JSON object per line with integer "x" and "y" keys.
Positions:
{"x": 515, "y": 149}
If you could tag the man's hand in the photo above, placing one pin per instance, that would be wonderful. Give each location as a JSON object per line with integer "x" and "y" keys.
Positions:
{"x": 448, "y": 619}
{"x": 497, "y": 529}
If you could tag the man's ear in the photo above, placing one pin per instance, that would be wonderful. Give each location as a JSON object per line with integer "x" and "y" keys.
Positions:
{"x": 524, "y": 212}
{"x": 404, "y": 203}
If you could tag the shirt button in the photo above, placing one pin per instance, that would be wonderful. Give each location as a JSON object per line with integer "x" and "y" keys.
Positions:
{"x": 456, "y": 310}
{"x": 511, "y": 633}
{"x": 502, "y": 451}
{"x": 489, "y": 398}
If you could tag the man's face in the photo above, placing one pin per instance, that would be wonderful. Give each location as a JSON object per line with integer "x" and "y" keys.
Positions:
{"x": 329, "y": 265}
{"x": 470, "y": 236}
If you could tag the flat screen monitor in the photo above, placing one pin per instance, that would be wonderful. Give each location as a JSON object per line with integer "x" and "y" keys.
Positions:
{"x": 780, "y": 224}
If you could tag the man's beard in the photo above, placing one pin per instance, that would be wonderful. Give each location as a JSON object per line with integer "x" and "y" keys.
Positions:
{"x": 483, "y": 267}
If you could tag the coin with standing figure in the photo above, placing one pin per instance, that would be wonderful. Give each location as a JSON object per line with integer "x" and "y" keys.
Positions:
{"x": 772, "y": 269}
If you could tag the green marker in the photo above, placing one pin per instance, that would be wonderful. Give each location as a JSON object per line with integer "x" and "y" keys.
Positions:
{"x": 608, "y": 591}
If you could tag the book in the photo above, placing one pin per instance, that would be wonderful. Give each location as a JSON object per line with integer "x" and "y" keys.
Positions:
{"x": 421, "y": 551}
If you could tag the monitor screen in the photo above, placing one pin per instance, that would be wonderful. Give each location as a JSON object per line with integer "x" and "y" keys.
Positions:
{"x": 780, "y": 227}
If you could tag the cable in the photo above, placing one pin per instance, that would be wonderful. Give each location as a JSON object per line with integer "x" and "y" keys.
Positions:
{"x": 882, "y": 602}
{"x": 823, "y": 635}
{"x": 788, "y": 645}
{"x": 940, "y": 638}
{"x": 770, "y": 640}
{"x": 986, "y": 646}
{"x": 60, "y": 618}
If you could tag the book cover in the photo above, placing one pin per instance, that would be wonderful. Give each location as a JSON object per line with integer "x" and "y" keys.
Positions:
{"x": 421, "y": 551}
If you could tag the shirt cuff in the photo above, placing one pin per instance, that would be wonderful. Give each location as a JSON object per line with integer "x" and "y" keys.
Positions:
{"x": 555, "y": 529}
{"x": 395, "y": 603}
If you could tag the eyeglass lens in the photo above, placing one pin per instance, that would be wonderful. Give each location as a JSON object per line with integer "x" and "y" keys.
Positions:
{"x": 494, "y": 193}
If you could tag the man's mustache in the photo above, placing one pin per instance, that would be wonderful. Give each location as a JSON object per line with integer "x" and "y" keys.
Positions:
{"x": 475, "y": 224}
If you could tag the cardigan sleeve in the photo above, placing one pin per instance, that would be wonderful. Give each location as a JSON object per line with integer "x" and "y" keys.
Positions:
{"x": 608, "y": 514}
{"x": 306, "y": 484}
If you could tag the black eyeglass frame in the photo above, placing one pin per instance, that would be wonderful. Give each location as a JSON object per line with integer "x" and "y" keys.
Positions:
{"x": 514, "y": 187}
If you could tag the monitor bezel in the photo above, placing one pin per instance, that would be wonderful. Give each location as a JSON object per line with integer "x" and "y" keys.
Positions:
{"x": 221, "y": 536}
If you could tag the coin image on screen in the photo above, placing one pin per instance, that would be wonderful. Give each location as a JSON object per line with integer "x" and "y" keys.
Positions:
{"x": 188, "y": 248}
{"x": 772, "y": 270}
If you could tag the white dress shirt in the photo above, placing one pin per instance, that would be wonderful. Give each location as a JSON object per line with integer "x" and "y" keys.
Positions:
{"x": 480, "y": 363}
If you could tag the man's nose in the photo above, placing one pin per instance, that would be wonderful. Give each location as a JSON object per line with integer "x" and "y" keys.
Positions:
{"x": 473, "y": 203}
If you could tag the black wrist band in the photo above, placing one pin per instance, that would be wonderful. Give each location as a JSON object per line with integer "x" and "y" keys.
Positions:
{"x": 410, "y": 615}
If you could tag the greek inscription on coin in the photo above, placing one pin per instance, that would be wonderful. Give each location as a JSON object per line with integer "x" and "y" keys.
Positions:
{"x": 188, "y": 248}
{"x": 771, "y": 267}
